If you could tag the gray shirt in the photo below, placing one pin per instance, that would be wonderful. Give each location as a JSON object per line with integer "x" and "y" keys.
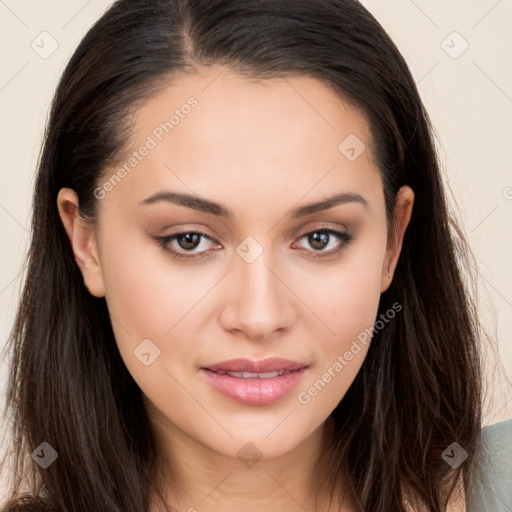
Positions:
{"x": 492, "y": 490}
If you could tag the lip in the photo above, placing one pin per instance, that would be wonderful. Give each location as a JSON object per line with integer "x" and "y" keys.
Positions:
{"x": 255, "y": 391}
{"x": 263, "y": 366}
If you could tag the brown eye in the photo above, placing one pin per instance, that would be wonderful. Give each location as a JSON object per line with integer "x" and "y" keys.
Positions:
{"x": 184, "y": 244}
{"x": 320, "y": 239}
{"x": 188, "y": 241}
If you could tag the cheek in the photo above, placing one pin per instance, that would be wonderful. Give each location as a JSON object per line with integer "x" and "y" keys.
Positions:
{"x": 148, "y": 300}
{"x": 347, "y": 296}
{"x": 147, "y": 293}
{"x": 347, "y": 303}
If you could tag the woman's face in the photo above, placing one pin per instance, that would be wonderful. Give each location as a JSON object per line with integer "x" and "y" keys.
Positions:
{"x": 266, "y": 275}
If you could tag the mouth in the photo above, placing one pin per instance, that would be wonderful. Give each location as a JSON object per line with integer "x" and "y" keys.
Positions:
{"x": 253, "y": 375}
{"x": 261, "y": 367}
{"x": 255, "y": 382}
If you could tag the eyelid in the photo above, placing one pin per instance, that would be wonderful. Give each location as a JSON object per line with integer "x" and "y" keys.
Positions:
{"x": 319, "y": 226}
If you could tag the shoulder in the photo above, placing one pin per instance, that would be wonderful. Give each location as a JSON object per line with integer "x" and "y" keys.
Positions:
{"x": 492, "y": 487}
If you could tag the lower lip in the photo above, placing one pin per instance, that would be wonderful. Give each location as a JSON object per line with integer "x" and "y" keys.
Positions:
{"x": 254, "y": 391}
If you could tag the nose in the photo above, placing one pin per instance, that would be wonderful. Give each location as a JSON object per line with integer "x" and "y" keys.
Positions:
{"x": 258, "y": 303}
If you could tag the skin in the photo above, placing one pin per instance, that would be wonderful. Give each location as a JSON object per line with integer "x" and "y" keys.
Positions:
{"x": 260, "y": 149}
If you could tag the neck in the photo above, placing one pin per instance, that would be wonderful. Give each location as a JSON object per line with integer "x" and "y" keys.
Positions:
{"x": 196, "y": 478}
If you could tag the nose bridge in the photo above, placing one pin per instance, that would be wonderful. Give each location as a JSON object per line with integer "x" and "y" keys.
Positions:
{"x": 257, "y": 280}
{"x": 259, "y": 305}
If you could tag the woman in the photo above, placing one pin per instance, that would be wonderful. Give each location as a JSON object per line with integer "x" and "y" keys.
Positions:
{"x": 243, "y": 287}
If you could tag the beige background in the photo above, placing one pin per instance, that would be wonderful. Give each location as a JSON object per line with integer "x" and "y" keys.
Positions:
{"x": 468, "y": 95}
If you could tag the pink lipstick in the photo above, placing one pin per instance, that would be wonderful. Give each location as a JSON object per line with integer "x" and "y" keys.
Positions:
{"x": 255, "y": 382}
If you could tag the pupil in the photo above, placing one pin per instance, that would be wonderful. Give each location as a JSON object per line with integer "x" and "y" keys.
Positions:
{"x": 319, "y": 240}
{"x": 191, "y": 240}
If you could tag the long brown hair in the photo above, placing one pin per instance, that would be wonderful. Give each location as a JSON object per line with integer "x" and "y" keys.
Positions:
{"x": 420, "y": 386}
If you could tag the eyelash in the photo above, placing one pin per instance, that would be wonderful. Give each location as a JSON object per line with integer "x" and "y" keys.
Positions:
{"x": 163, "y": 242}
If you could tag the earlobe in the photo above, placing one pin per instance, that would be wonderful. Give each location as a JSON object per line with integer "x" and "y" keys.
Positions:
{"x": 401, "y": 217}
{"x": 82, "y": 237}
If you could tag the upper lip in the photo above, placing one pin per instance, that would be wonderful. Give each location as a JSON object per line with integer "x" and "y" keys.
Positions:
{"x": 264, "y": 366}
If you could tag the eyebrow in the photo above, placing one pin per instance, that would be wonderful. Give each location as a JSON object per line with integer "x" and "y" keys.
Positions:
{"x": 204, "y": 205}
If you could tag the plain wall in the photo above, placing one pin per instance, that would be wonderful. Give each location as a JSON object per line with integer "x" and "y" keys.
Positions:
{"x": 468, "y": 95}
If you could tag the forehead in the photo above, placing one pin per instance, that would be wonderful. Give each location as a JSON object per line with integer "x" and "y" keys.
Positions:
{"x": 216, "y": 132}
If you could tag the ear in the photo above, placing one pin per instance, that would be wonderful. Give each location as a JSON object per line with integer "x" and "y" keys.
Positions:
{"x": 82, "y": 236}
{"x": 401, "y": 217}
